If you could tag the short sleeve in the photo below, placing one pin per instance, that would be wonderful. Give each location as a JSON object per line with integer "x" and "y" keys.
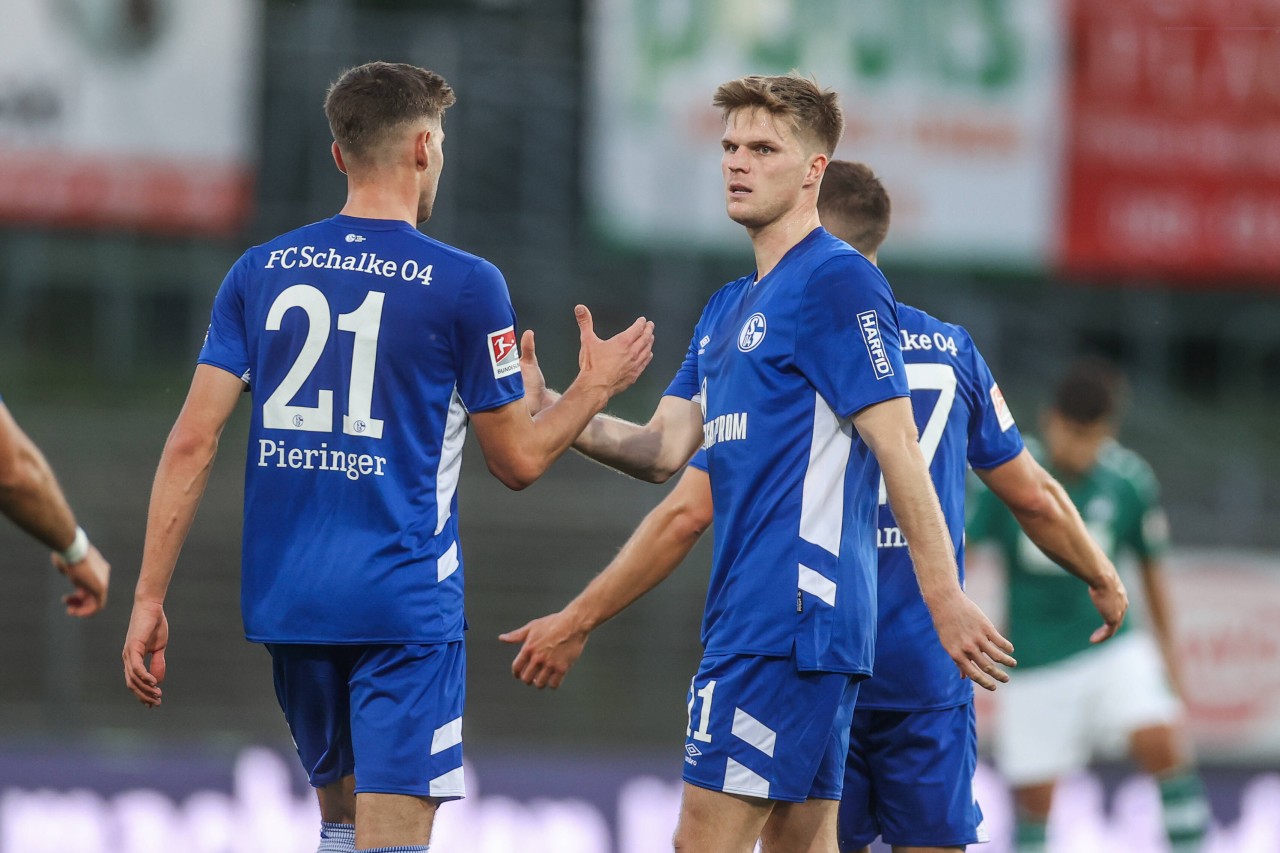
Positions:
{"x": 1149, "y": 531}
{"x": 699, "y": 460}
{"x": 685, "y": 384}
{"x": 486, "y": 358}
{"x": 226, "y": 343}
{"x": 847, "y": 342}
{"x": 994, "y": 438}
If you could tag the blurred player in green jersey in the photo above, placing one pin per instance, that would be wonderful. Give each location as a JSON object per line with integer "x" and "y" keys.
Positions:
{"x": 1072, "y": 699}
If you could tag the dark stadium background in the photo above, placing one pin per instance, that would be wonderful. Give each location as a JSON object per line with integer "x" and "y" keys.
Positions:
{"x": 99, "y": 327}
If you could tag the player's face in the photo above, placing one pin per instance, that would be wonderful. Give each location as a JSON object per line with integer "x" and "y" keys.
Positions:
{"x": 430, "y": 179}
{"x": 764, "y": 166}
{"x": 1073, "y": 446}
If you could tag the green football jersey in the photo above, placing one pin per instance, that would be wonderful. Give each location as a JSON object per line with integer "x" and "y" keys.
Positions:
{"x": 1050, "y": 615}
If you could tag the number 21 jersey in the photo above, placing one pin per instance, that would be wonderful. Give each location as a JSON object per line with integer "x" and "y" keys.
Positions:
{"x": 365, "y": 344}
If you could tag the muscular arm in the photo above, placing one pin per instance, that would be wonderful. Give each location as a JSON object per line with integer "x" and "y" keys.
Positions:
{"x": 30, "y": 495}
{"x": 968, "y": 636}
{"x": 1045, "y": 512}
{"x": 519, "y": 446}
{"x": 29, "y": 492}
{"x": 668, "y": 533}
{"x": 654, "y": 451}
{"x": 175, "y": 495}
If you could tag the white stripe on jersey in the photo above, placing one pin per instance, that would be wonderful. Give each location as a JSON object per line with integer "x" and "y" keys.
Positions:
{"x": 455, "y": 435}
{"x": 822, "y": 505}
{"x": 817, "y": 584}
{"x": 448, "y": 563}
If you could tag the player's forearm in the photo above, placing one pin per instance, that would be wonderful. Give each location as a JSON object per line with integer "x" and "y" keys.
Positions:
{"x": 919, "y": 515}
{"x": 31, "y": 497}
{"x": 655, "y": 549}
{"x": 639, "y": 451}
{"x": 175, "y": 496}
{"x": 1046, "y": 514}
{"x": 1055, "y": 526}
{"x": 1160, "y": 613}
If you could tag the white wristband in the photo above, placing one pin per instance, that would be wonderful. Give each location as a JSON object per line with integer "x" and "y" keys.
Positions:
{"x": 77, "y": 550}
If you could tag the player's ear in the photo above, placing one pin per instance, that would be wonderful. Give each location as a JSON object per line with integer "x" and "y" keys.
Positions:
{"x": 817, "y": 168}
{"x": 337, "y": 158}
{"x": 422, "y": 149}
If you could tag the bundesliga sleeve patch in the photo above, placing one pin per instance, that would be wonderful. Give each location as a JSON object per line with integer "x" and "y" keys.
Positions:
{"x": 869, "y": 325}
{"x": 503, "y": 354}
{"x": 1003, "y": 415}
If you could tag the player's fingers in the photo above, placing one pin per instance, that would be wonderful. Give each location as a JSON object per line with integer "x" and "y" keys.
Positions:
{"x": 977, "y": 676}
{"x": 1000, "y": 641}
{"x": 1102, "y": 633}
{"x": 80, "y": 603}
{"x": 527, "y": 352}
{"x": 520, "y": 662}
{"x": 634, "y": 333}
{"x": 516, "y": 636}
{"x": 996, "y": 652}
{"x": 556, "y": 680}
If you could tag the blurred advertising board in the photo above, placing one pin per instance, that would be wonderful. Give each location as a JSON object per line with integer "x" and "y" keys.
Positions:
{"x": 1226, "y": 609}
{"x": 955, "y": 105}
{"x": 125, "y": 114}
{"x": 257, "y": 801}
{"x": 1173, "y": 148}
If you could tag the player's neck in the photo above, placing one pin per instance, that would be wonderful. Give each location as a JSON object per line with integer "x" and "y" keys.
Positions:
{"x": 382, "y": 200}
{"x": 774, "y": 240}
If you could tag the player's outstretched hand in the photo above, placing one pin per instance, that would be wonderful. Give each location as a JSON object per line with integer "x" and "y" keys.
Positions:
{"x": 535, "y": 385}
{"x": 148, "y": 635}
{"x": 91, "y": 577}
{"x": 551, "y": 645}
{"x": 1112, "y": 602}
{"x": 618, "y": 362}
{"x": 975, "y": 645}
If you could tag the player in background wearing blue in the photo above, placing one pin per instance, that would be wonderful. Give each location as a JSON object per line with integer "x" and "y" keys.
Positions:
{"x": 795, "y": 386}
{"x": 913, "y": 745}
{"x": 31, "y": 497}
{"x": 367, "y": 347}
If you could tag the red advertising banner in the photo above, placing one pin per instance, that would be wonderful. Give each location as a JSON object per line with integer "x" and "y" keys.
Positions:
{"x": 1173, "y": 139}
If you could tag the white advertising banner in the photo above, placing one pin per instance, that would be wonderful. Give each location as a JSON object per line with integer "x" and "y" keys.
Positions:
{"x": 956, "y": 106}
{"x": 127, "y": 114}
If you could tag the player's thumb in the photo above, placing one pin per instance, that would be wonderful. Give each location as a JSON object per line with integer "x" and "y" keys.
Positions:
{"x": 158, "y": 666}
{"x": 527, "y": 352}
{"x": 585, "y": 324}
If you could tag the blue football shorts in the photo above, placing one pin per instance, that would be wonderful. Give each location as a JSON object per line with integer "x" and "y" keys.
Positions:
{"x": 758, "y": 727}
{"x": 909, "y": 779}
{"x": 390, "y": 714}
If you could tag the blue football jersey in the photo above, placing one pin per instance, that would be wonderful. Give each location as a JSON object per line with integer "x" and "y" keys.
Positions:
{"x": 365, "y": 345}
{"x": 963, "y": 421}
{"x": 780, "y": 366}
